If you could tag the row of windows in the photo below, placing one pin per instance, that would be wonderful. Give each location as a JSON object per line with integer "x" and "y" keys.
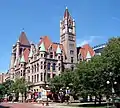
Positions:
{"x": 19, "y": 73}
{"x": 44, "y": 55}
{"x": 39, "y": 77}
{"x": 35, "y": 68}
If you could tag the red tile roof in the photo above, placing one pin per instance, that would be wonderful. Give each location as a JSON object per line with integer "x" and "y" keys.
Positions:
{"x": 48, "y": 43}
{"x": 46, "y": 40}
{"x": 23, "y": 39}
{"x": 84, "y": 50}
{"x": 26, "y": 54}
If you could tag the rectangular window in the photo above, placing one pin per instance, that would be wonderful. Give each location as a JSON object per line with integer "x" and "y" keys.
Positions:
{"x": 71, "y": 59}
{"x": 37, "y": 77}
{"x": 59, "y": 69}
{"x": 41, "y": 77}
{"x": 41, "y": 67}
{"x": 48, "y": 75}
{"x": 51, "y": 55}
{"x": 28, "y": 78}
{"x": 71, "y": 52}
{"x": 32, "y": 79}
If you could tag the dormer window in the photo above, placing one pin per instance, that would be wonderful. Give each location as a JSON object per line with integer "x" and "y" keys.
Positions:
{"x": 59, "y": 57}
{"x": 41, "y": 55}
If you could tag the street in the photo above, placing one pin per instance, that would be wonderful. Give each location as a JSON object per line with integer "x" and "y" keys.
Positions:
{"x": 21, "y": 105}
{"x": 31, "y": 105}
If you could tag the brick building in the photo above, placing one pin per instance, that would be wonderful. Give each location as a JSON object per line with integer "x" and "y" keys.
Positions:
{"x": 38, "y": 63}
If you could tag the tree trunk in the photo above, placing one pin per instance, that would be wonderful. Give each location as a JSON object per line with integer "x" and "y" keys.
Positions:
{"x": 100, "y": 97}
{"x": 95, "y": 99}
{"x": 22, "y": 97}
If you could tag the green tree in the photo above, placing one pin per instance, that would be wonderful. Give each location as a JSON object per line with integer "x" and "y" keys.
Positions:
{"x": 111, "y": 59}
{"x": 7, "y": 86}
{"x": 20, "y": 86}
{"x": 2, "y": 91}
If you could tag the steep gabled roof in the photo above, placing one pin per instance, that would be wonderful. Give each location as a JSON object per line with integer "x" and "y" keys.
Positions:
{"x": 46, "y": 40}
{"x": 26, "y": 54}
{"x": 23, "y": 39}
{"x": 84, "y": 51}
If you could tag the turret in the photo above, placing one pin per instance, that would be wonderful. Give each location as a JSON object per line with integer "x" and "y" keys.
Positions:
{"x": 43, "y": 61}
{"x": 12, "y": 58}
{"x": 22, "y": 65}
{"x": 59, "y": 53}
{"x": 17, "y": 49}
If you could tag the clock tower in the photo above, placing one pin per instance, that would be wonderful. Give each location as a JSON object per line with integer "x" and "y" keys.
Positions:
{"x": 68, "y": 39}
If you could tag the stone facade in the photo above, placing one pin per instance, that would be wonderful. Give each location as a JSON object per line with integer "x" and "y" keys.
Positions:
{"x": 38, "y": 63}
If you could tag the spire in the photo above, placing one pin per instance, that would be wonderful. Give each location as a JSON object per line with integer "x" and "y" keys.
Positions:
{"x": 23, "y": 39}
{"x": 66, "y": 13}
{"x": 42, "y": 47}
{"x": 58, "y": 50}
{"x": 22, "y": 60}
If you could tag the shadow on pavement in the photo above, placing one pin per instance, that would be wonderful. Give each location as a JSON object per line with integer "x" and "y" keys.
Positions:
{"x": 4, "y": 106}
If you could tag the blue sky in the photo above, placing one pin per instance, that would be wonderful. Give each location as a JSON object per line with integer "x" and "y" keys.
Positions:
{"x": 96, "y": 21}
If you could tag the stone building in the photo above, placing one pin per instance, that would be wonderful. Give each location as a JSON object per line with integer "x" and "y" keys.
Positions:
{"x": 38, "y": 63}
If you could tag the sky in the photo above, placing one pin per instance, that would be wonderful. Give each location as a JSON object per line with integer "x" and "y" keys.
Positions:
{"x": 96, "y": 22}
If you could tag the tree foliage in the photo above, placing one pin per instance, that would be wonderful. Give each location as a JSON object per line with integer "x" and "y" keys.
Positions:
{"x": 19, "y": 86}
{"x": 90, "y": 77}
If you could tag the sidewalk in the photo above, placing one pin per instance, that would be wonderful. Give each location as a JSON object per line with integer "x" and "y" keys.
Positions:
{"x": 58, "y": 105}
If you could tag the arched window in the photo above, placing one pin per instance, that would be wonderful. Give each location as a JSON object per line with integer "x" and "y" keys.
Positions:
{"x": 48, "y": 66}
{"x": 72, "y": 68}
{"x": 54, "y": 65}
{"x": 32, "y": 69}
{"x": 37, "y": 67}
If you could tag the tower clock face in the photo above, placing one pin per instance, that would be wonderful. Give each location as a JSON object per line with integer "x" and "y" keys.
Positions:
{"x": 70, "y": 30}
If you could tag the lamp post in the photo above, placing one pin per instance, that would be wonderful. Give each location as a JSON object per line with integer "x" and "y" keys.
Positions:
{"x": 67, "y": 94}
{"x": 113, "y": 82}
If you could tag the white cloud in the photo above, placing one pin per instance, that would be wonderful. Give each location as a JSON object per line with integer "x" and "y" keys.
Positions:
{"x": 81, "y": 42}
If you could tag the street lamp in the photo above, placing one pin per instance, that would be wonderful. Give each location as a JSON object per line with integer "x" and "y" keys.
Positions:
{"x": 67, "y": 94}
{"x": 113, "y": 91}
